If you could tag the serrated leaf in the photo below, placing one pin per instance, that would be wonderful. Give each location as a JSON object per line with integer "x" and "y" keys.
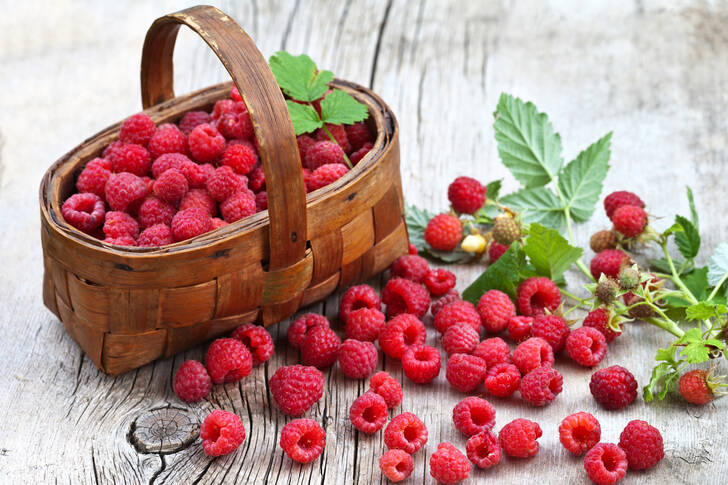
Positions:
{"x": 539, "y": 205}
{"x": 493, "y": 189}
{"x": 691, "y": 336}
{"x": 581, "y": 180}
{"x": 697, "y": 282}
{"x": 527, "y": 143}
{"x": 549, "y": 253}
{"x": 704, "y": 310}
{"x": 297, "y": 76}
{"x": 718, "y": 266}
{"x": 695, "y": 352}
{"x": 339, "y": 107}
{"x": 687, "y": 238}
{"x": 304, "y": 118}
{"x": 661, "y": 264}
{"x": 666, "y": 354}
{"x": 416, "y": 220}
{"x": 693, "y": 212}
{"x": 661, "y": 380}
{"x": 502, "y": 275}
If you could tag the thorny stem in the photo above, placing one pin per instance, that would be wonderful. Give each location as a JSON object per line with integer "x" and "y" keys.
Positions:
{"x": 675, "y": 278}
{"x": 667, "y": 326}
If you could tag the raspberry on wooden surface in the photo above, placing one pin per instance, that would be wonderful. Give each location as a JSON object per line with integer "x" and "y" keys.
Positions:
{"x": 532, "y": 353}
{"x": 493, "y": 351}
{"x": 466, "y": 195}
{"x": 459, "y": 311}
{"x": 448, "y": 465}
{"x": 357, "y": 359}
{"x": 396, "y": 465}
{"x": 356, "y": 297}
{"x": 579, "y": 432}
{"x": 483, "y": 449}
{"x": 192, "y": 383}
{"x": 410, "y": 267}
{"x": 473, "y": 415}
{"x": 405, "y": 432}
{"x": 519, "y": 328}
{"x": 450, "y": 297}
{"x": 320, "y": 347}
{"x": 368, "y": 412}
{"x": 400, "y": 333}
{"x": 364, "y": 324}
{"x": 502, "y": 380}
{"x": 405, "y": 296}
{"x": 257, "y": 340}
{"x": 518, "y": 438}
{"x": 300, "y": 327}
{"x": 439, "y": 281}
{"x": 303, "y": 440}
{"x": 605, "y": 464}
{"x": 444, "y": 232}
{"x": 642, "y": 443}
{"x": 552, "y": 329}
{"x": 388, "y": 387}
{"x": 586, "y": 346}
{"x": 495, "y": 309}
{"x": 421, "y": 363}
{"x": 295, "y": 388}
{"x": 541, "y": 386}
{"x": 465, "y": 372}
{"x": 460, "y": 338}
{"x": 613, "y": 387}
{"x": 228, "y": 360}
{"x": 221, "y": 432}
{"x": 537, "y": 295}
{"x": 599, "y": 319}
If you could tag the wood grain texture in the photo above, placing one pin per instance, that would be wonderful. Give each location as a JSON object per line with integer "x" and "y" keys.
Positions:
{"x": 654, "y": 74}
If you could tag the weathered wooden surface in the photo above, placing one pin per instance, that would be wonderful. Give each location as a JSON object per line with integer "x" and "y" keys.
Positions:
{"x": 656, "y": 75}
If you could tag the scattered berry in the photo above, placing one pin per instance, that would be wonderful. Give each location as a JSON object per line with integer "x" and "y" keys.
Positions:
{"x": 368, "y": 412}
{"x": 303, "y": 440}
{"x": 84, "y": 211}
{"x": 495, "y": 251}
{"x": 538, "y": 295}
{"x": 460, "y": 338}
{"x": 443, "y": 232}
{"x": 608, "y": 262}
{"x": 450, "y": 297}
{"x": 613, "y": 387}
{"x": 190, "y": 223}
{"x": 325, "y": 175}
{"x": 412, "y": 249}
{"x": 295, "y": 388}
{"x": 506, "y": 230}
{"x": 629, "y": 220}
{"x": 541, "y": 386}
{"x": 405, "y": 432}
{"x": 357, "y": 359}
{"x": 605, "y": 464}
{"x": 531, "y": 354}
{"x": 502, "y": 379}
{"x": 388, "y": 387}
{"x": 586, "y": 346}
{"x": 466, "y": 195}
{"x": 519, "y": 328}
{"x": 396, "y": 465}
{"x": 320, "y": 347}
{"x": 518, "y": 438}
{"x": 483, "y": 449}
{"x": 413, "y": 268}
{"x": 599, "y": 319}
{"x": 356, "y": 297}
{"x": 448, "y": 465}
{"x": 400, "y": 333}
{"x": 439, "y": 281}
{"x": 459, "y": 311}
{"x": 405, "y": 296}
{"x": 642, "y": 444}
{"x": 473, "y": 415}
{"x": 221, "y": 432}
{"x": 495, "y": 309}
{"x": 615, "y": 200}
{"x": 493, "y": 351}
{"x": 302, "y": 325}
{"x": 192, "y": 383}
{"x": 364, "y": 324}
{"x": 465, "y": 372}
{"x": 257, "y": 340}
{"x": 552, "y": 329}
{"x": 421, "y": 363}
{"x": 579, "y": 432}
{"x": 603, "y": 240}
{"x": 694, "y": 388}
{"x": 228, "y": 360}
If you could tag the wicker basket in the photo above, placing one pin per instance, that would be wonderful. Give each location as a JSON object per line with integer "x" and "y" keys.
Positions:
{"x": 128, "y": 307}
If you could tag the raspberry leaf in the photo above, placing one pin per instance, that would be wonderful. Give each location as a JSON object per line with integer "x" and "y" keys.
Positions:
{"x": 704, "y": 310}
{"x": 548, "y": 252}
{"x": 416, "y": 220}
{"x": 339, "y": 107}
{"x": 305, "y": 119}
{"x": 693, "y": 212}
{"x": 539, "y": 205}
{"x": 697, "y": 350}
{"x": 663, "y": 379}
{"x": 687, "y": 238}
{"x": 504, "y": 275}
{"x": 298, "y": 77}
{"x": 493, "y": 189}
{"x": 718, "y": 266}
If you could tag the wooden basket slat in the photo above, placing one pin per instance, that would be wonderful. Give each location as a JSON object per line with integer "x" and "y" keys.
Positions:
{"x": 239, "y": 292}
{"x": 90, "y": 302}
{"x": 320, "y": 290}
{"x": 187, "y": 305}
{"x": 327, "y": 250}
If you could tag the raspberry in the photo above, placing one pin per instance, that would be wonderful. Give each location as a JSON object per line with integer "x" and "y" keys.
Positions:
{"x": 235, "y": 94}
{"x": 606, "y": 290}
{"x": 448, "y": 465}
{"x": 493, "y": 351}
{"x": 137, "y": 129}
{"x": 541, "y": 386}
{"x": 601, "y": 240}
{"x": 400, "y": 333}
{"x": 421, "y": 363}
{"x": 586, "y": 346}
{"x": 518, "y": 438}
{"x": 609, "y": 262}
{"x": 256, "y": 179}
{"x": 405, "y": 296}
{"x": 325, "y": 174}
{"x": 167, "y": 139}
{"x": 396, "y": 465}
{"x": 502, "y": 379}
{"x": 466, "y": 195}
{"x": 642, "y": 444}
{"x": 241, "y": 158}
{"x": 124, "y": 189}
{"x": 495, "y": 251}
{"x": 538, "y": 295}
{"x": 155, "y": 236}
{"x": 460, "y": 338}
{"x": 356, "y": 297}
{"x": 238, "y": 206}
{"x": 222, "y": 107}
{"x": 217, "y": 223}
{"x": 495, "y": 309}
{"x": 459, "y": 311}
{"x": 110, "y": 151}
{"x": 356, "y": 156}
{"x": 192, "y": 383}
{"x": 357, "y": 359}
{"x": 302, "y": 325}
{"x": 506, "y": 230}
{"x": 473, "y": 415}
{"x": 450, "y": 297}
{"x": 599, "y": 319}
{"x": 131, "y": 158}
{"x": 223, "y": 183}
{"x": 605, "y": 464}
{"x": 303, "y": 440}
{"x": 206, "y": 143}
{"x": 483, "y": 449}
{"x": 166, "y": 161}
{"x": 694, "y": 388}
{"x": 261, "y": 201}
{"x": 358, "y": 135}
{"x": 222, "y": 432}
{"x": 613, "y": 387}
{"x": 465, "y": 372}
{"x": 615, "y": 200}
{"x": 121, "y": 241}
{"x": 323, "y": 153}
{"x": 154, "y": 211}
{"x": 628, "y": 278}
{"x": 295, "y": 388}
{"x": 93, "y": 178}
{"x": 198, "y": 198}
{"x": 532, "y": 353}
{"x": 304, "y": 143}
{"x": 413, "y": 268}
{"x": 118, "y": 224}
{"x": 579, "y": 432}
{"x": 339, "y": 134}
{"x": 412, "y": 249}
{"x": 84, "y": 211}
{"x": 364, "y": 324}
{"x": 171, "y": 186}
{"x": 190, "y": 223}
{"x": 519, "y": 328}
{"x": 629, "y": 220}
{"x": 439, "y": 281}
{"x": 195, "y": 174}
{"x": 191, "y": 119}
{"x": 405, "y": 432}
{"x": 368, "y": 412}
{"x": 237, "y": 124}
{"x": 552, "y": 329}
{"x": 320, "y": 347}
{"x": 257, "y": 340}
{"x": 388, "y": 387}
{"x": 443, "y": 232}
{"x": 228, "y": 360}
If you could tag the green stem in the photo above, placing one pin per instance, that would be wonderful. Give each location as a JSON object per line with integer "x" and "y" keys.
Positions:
{"x": 668, "y": 326}
{"x": 717, "y": 287}
{"x": 326, "y": 130}
{"x": 572, "y": 296}
{"x": 579, "y": 263}
{"x": 675, "y": 278}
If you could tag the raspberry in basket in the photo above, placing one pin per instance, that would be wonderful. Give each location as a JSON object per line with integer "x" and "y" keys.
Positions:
{"x": 195, "y": 174}
{"x": 256, "y": 179}
{"x": 356, "y": 156}
{"x": 400, "y": 333}
{"x": 190, "y": 223}
{"x": 613, "y": 387}
{"x": 326, "y": 174}
{"x": 323, "y": 153}
{"x": 167, "y": 161}
{"x": 448, "y": 465}
{"x": 228, "y": 360}
{"x": 617, "y": 199}
{"x": 237, "y": 206}
{"x": 167, "y": 139}
{"x": 304, "y": 143}
{"x": 237, "y": 126}
{"x": 493, "y": 351}
{"x": 84, "y": 211}
{"x": 155, "y": 236}
{"x": 410, "y": 267}
{"x": 405, "y": 296}
{"x": 303, "y": 440}
{"x": 552, "y": 329}
{"x": 473, "y": 415}
{"x": 223, "y": 183}
{"x": 241, "y": 158}
{"x": 118, "y": 224}
{"x": 642, "y": 444}
{"x": 261, "y": 201}
{"x": 368, "y": 412}
{"x": 222, "y": 107}
{"x": 421, "y": 363}
{"x": 465, "y": 372}
{"x": 192, "y": 119}
{"x": 124, "y": 189}
{"x": 320, "y": 347}
{"x": 154, "y": 211}
{"x": 443, "y": 232}
{"x": 364, "y": 324}
{"x": 339, "y": 134}
{"x": 302, "y": 325}
{"x": 502, "y": 379}
{"x": 206, "y": 143}
{"x": 532, "y": 353}
{"x": 405, "y": 432}
{"x": 357, "y": 359}
{"x": 192, "y": 383}
{"x": 93, "y": 178}
{"x": 483, "y": 450}
{"x": 171, "y": 186}
{"x": 466, "y": 195}
{"x": 579, "y": 432}
{"x": 257, "y": 340}
{"x": 358, "y": 135}
{"x": 137, "y": 129}
{"x": 222, "y": 432}
{"x": 605, "y": 464}
{"x": 538, "y": 295}
{"x": 460, "y": 338}
{"x": 518, "y": 438}
{"x": 200, "y": 199}
{"x": 396, "y": 465}
{"x": 495, "y": 309}
{"x": 295, "y": 388}
{"x": 131, "y": 158}
{"x": 388, "y": 387}
{"x": 541, "y": 386}
{"x": 439, "y": 281}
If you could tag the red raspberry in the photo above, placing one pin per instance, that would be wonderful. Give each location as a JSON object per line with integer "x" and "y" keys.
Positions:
{"x": 110, "y": 151}
{"x": 448, "y": 465}
{"x": 325, "y": 174}
{"x": 222, "y": 107}
{"x": 495, "y": 309}
{"x": 235, "y": 94}
{"x": 358, "y": 135}
{"x": 304, "y": 142}
{"x": 552, "y": 329}
{"x": 261, "y": 201}
{"x": 222, "y": 432}
{"x": 357, "y": 359}
{"x": 473, "y": 415}
{"x": 223, "y": 183}
{"x": 413, "y": 268}
{"x": 228, "y": 360}
{"x": 459, "y": 311}
{"x": 541, "y": 386}
{"x": 450, "y": 297}
{"x": 396, "y": 465}
{"x": 84, "y": 211}
{"x": 400, "y": 333}
{"x": 694, "y": 388}
{"x": 166, "y": 161}
{"x": 533, "y": 353}
{"x": 460, "y": 338}
{"x": 302, "y": 325}
{"x": 206, "y": 143}
{"x": 405, "y": 296}
{"x": 537, "y": 295}
{"x": 191, "y": 119}
{"x": 356, "y": 156}
{"x": 439, "y": 281}
{"x": 502, "y": 379}
{"x": 167, "y": 139}
{"x": 608, "y": 262}
{"x": 364, "y": 324}
{"x": 217, "y": 223}
{"x": 339, "y": 134}
{"x": 615, "y": 200}
{"x": 356, "y": 297}
{"x": 605, "y": 464}
{"x": 257, "y": 340}
{"x": 465, "y": 372}
{"x": 586, "y": 346}
{"x": 483, "y": 449}
{"x": 599, "y": 319}
{"x": 93, "y": 178}
{"x": 519, "y": 328}
{"x": 518, "y": 438}
{"x": 118, "y": 224}
{"x": 388, "y": 387}
{"x": 198, "y": 198}
{"x": 495, "y": 251}
{"x": 613, "y": 387}
{"x": 133, "y": 159}
{"x": 493, "y": 351}
{"x": 236, "y": 125}
{"x": 405, "y": 432}
{"x": 195, "y": 174}
{"x": 412, "y": 249}
{"x": 295, "y": 388}
{"x": 323, "y": 153}
{"x": 137, "y": 129}
{"x": 192, "y": 383}
{"x": 421, "y": 363}
{"x": 256, "y": 180}
{"x": 124, "y": 189}
{"x": 155, "y": 236}
{"x": 579, "y": 432}
{"x": 466, "y": 195}
{"x": 241, "y": 158}
{"x": 444, "y": 232}
{"x": 154, "y": 211}
{"x": 121, "y": 241}
{"x": 190, "y": 223}
{"x": 320, "y": 347}
{"x": 642, "y": 444}
{"x": 171, "y": 186}
{"x": 303, "y": 440}
{"x": 238, "y": 206}
{"x": 629, "y": 220}
{"x": 368, "y": 412}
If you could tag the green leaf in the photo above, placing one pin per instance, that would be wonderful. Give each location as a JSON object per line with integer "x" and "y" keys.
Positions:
{"x": 686, "y": 237}
{"x": 416, "y": 220}
{"x": 502, "y": 275}
{"x": 493, "y": 189}
{"x": 697, "y": 282}
{"x": 666, "y": 354}
{"x": 305, "y": 119}
{"x": 581, "y": 180}
{"x": 695, "y": 352}
{"x": 297, "y": 76}
{"x": 693, "y": 211}
{"x": 339, "y": 107}
{"x": 539, "y": 205}
{"x": 549, "y": 253}
{"x": 527, "y": 143}
{"x": 705, "y": 310}
{"x": 661, "y": 264}
{"x": 664, "y": 376}
{"x": 718, "y": 266}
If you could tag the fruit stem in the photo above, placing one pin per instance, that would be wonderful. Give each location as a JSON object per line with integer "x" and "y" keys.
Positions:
{"x": 328, "y": 133}
{"x": 717, "y": 287}
{"x": 668, "y": 326}
{"x": 675, "y": 278}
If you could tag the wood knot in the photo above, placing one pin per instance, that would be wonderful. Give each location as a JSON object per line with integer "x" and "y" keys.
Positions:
{"x": 163, "y": 430}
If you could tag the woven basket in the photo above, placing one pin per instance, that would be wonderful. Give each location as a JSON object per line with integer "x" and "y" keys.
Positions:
{"x": 128, "y": 307}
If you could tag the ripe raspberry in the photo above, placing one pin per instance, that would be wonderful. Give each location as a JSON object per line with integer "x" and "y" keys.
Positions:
{"x": 694, "y": 387}
{"x": 295, "y": 388}
{"x": 533, "y": 353}
{"x": 605, "y": 464}
{"x": 304, "y": 143}
{"x": 199, "y": 198}
{"x": 110, "y": 151}
{"x": 206, "y": 143}
{"x": 465, "y": 372}
{"x": 93, "y": 178}
{"x": 450, "y": 297}
{"x": 222, "y": 107}
{"x": 236, "y": 125}
{"x": 412, "y": 249}
{"x": 192, "y": 383}
{"x": 256, "y": 179}
{"x": 444, "y": 232}
{"x": 459, "y": 311}
{"x": 133, "y": 159}
{"x": 502, "y": 379}
{"x": 223, "y": 183}
{"x": 518, "y": 438}
{"x": 195, "y": 174}
{"x": 261, "y": 201}
{"x": 238, "y": 206}
{"x": 473, "y": 415}
{"x": 439, "y": 281}
{"x": 642, "y": 444}
{"x": 191, "y": 119}
{"x": 602, "y": 240}
{"x": 235, "y": 94}
{"x": 323, "y": 153}
{"x": 388, "y": 387}
{"x": 537, "y": 295}
{"x": 413, "y": 268}
{"x": 460, "y": 338}
{"x": 137, "y": 129}
{"x": 609, "y": 262}
{"x": 302, "y": 325}
{"x": 421, "y": 363}
{"x": 405, "y": 296}
{"x": 495, "y": 309}
{"x": 606, "y": 290}
{"x": 303, "y": 440}
{"x": 84, "y": 211}
{"x": 357, "y": 359}
{"x": 552, "y": 329}
{"x": 222, "y": 432}
{"x": 325, "y": 174}
{"x": 396, "y": 465}
{"x": 124, "y": 189}
{"x": 167, "y": 139}
{"x": 358, "y": 135}
{"x": 121, "y": 241}
{"x": 190, "y": 223}
{"x": 155, "y": 236}
{"x": 495, "y": 251}
{"x": 506, "y": 230}
{"x": 217, "y": 223}
{"x": 257, "y": 340}
{"x": 320, "y": 347}
{"x": 579, "y": 432}
{"x": 154, "y": 211}
{"x": 493, "y": 351}
{"x": 228, "y": 360}
{"x": 466, "y": 195}
{"x": 368, "y": 412}
{"x": 356, "y": 156}
{"x": 356, "y": 297}
{"x": 629, "y": 220}
{"x": 599, "y": 319}
{"x": 541, "y": 386}
{"x": 118, "y": 224}
{"x": 166, "y": 161}
{"x": 615, "y": 200}
{"x": 364, "y": 324}
{"x": 241, "y": 158}
{"x": 405, "y": 432}
{"x": 400, "y": 333}
{"x": 339, "y": 134}
{"x": 171, "y": 186}
{"x": 613, "y": 387}
{"x": 586, "y": 346}
{"x": 483, "y": 450}
{"x": 519, "y": 328}
{"x": 448, "y": 465}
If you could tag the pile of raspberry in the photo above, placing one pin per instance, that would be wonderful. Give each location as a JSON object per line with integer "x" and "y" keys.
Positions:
{"x": 158, "y": 185}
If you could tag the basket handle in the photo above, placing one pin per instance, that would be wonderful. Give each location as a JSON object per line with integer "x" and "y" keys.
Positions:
{"x": 266, "y": 105}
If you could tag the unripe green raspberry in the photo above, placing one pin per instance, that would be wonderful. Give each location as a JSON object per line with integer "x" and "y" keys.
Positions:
{"x": 606, "y": 291}
{"x": 629, "y": 278}
{"x": 506, "y": 230}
